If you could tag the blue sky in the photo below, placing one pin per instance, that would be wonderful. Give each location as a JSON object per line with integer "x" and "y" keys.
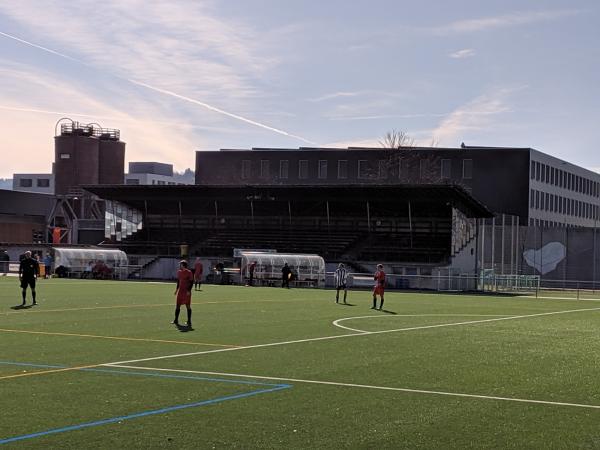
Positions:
{"x": 178, "y": 76}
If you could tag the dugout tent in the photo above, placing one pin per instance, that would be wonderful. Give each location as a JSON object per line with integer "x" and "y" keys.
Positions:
{"x": 307, "y": 270}
{"x": 78, "y": 260}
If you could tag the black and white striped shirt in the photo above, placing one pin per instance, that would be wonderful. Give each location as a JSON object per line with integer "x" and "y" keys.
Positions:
{"x": 340, "y": 277}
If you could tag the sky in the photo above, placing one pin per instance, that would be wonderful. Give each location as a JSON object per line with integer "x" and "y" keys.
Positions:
{"x": 176, "y": 76}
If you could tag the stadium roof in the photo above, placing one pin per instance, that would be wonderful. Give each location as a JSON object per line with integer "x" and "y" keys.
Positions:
{"x": 135, "y": 196}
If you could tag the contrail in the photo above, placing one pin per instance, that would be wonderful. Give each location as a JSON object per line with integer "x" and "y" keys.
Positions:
{"x": 220, "y": 111}
{"x": 166, "y": 92}
{"x": 22, "y": 41}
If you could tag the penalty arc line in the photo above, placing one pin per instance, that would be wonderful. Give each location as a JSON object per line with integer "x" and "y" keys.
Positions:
{"x": 379, "y": 316}
{"x": 368, "y": 333}
{"x": 366, "y": 386}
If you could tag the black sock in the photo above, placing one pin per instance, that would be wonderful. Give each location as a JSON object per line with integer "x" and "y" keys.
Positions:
{"x": 33, "y": 296}
{"x": 381, "y": 305}
{"x": 24, "y": 294}
{"x": 177, "y": 310}
{"x": 374, "y": 302}
{"x": 189, "y": 312}
{"x": 345, "y": 293}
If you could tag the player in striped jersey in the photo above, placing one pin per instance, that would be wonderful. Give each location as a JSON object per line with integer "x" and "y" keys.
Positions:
{"x": 340, "y": 282}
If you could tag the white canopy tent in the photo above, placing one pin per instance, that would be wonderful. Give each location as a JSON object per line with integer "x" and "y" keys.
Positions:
{"x": 79, "y": 260}
{"x": 308, "y": 270}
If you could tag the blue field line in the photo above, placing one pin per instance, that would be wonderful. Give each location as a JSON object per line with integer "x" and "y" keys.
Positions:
{"x": 143, "y": 374}
{"x": 141, "y": 414}
{"x": 272, "y": 388}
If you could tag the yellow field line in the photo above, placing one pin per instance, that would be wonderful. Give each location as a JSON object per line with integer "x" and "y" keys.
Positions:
{"x": 144, "y": 306}
{"x": 88, "y": 308}
{"x": 51, "y": 333}
{"x": 44, "y": 372}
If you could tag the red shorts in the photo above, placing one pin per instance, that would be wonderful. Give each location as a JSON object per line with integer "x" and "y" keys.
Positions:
{"x": 378, "y": 290}
{"x": 198, "y": 276}
{"x": 184, "y": 298}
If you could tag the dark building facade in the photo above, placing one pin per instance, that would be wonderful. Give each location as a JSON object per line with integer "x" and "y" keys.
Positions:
{"x": 535, "y": 187}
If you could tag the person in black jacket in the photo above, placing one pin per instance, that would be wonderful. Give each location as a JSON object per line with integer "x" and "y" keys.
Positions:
{"x": 29, "y": 269}
{"x": 286, "y": 275}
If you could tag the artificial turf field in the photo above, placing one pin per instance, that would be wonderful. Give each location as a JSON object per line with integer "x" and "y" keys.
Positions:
{"x": 269, "y": 368}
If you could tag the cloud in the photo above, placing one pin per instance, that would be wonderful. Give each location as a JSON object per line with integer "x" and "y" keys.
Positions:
{"x": 182, "y": 50}
{"x": 478, "y": 114}
{"x": 333, "y": 96}
{"x": 140, "y": 126}
{"x": 464, "y": 53}
{"x": 504, "y": 21}
{"x": 358, "y": 142}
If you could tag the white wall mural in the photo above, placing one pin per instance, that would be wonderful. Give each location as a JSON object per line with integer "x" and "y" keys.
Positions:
{"x": 546, "y": 258}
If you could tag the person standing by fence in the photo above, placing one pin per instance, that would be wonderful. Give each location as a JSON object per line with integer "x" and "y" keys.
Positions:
{"x": 198, "y": 269}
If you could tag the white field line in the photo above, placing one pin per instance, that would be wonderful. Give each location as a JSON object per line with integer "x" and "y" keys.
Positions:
{"x": 337, "y": 322}
{"x": 367, "y": 333}
{"x": 563, "y": 298}
{"x": 364, "y": 386}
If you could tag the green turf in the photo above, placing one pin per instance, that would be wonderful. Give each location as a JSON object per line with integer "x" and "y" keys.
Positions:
{"x": 552, "y": 358}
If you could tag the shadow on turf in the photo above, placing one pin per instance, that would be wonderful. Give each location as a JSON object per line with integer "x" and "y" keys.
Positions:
{"x": 184, "y": 328}
{"x": 346, "y": 304}
{"x": 17, "y": 307}
{"x": 387, "y": 311}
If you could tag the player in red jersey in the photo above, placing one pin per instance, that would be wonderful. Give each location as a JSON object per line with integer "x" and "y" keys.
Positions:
{"x": 198, "y": 269}
{"x": 379, "y": 288}
{"x": 185, "y": 281}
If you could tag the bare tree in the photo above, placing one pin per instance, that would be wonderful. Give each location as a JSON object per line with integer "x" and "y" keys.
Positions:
{"x": 397, "y": 139}
{"x": 409, "y": 166}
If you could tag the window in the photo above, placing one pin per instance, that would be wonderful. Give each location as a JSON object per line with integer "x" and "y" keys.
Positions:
{"x": 467, "y": 169}
{"x": 531, "y": 198}
{"x": 161, "y": 182}
{"x": 543, "y": 173}
{"x": 446, "y": 169}
{"x": 362, "y": 168}
{"x": 26, "y": 182}
{"x": 264, "y": 168}
{"x": 383, "y": 169}
{"x": 547, "y": 174}
{"x": 538, "y": 171}
{"x": 342, "y": 169}
{"x": 132, "y": 181}
{"x": 65, "y": 156}
{"x": 43, "y": 182}
{"x": 424, "y": 169}
{"x": 322, "y": 169}
{"x": 284, "y": 169}
{"x": 532, "y": 170}
{"x": 153, "y": 181}
{"x": 246, "y": 168}
{"x": 303, "y": 169}
{"x": 552, "y": 173}
{"x": 560, "y": 178}
{"x": 402, "y": 168}
{"x": 537, "y": 199}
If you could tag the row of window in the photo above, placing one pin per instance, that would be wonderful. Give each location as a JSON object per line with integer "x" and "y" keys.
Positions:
{"x": 40, "y": 182}
{"x": 136, "y": 181}
{"x": 561, "y": 178}
{"x": 550, "y": 223}
{"x": 545, "y": 201}
{"x": 364, "y": 169}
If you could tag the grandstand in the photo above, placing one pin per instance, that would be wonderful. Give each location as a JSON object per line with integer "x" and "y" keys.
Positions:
{"x": 411, "y": 224}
